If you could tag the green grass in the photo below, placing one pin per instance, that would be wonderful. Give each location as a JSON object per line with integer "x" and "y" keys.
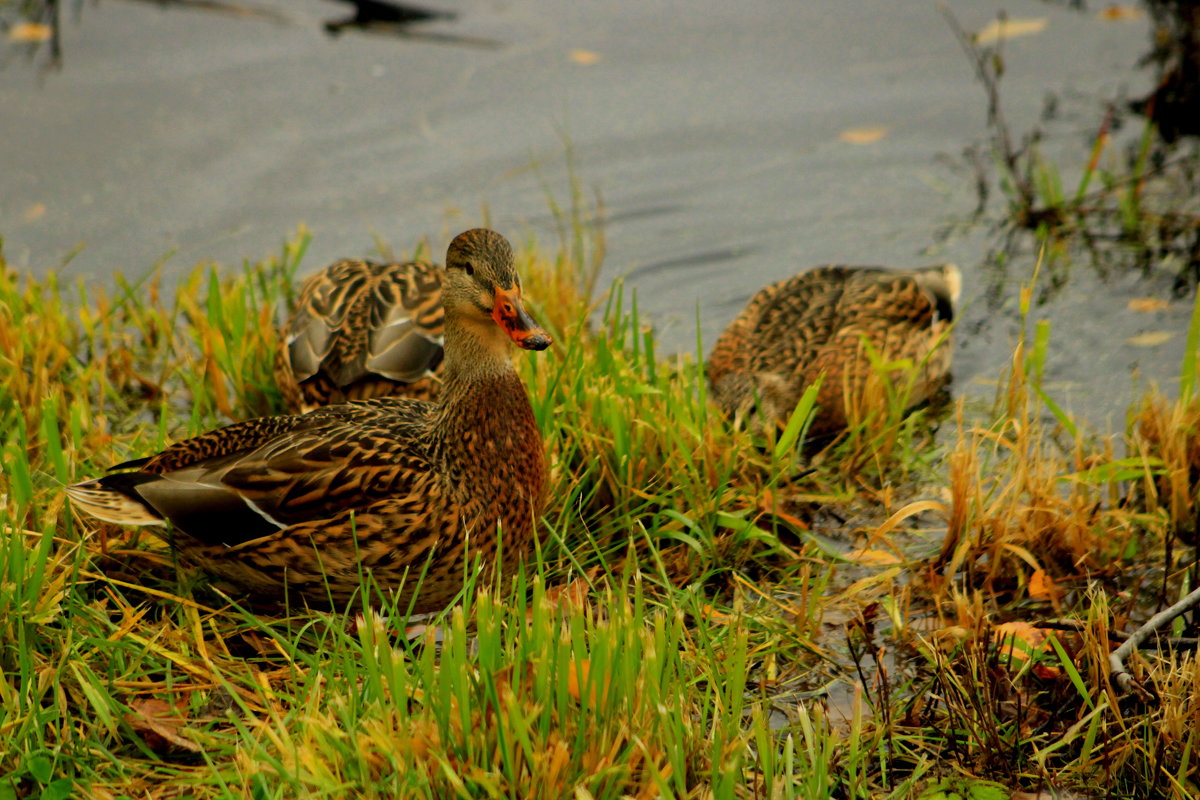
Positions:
{"x": 708, "y": 615}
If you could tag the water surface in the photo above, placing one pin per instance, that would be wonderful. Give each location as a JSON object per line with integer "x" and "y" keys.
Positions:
{"x": 712, "y": 130}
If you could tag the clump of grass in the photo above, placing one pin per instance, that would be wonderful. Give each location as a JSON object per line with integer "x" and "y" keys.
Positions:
{"x": 638, "y": 455}
{"x": 1033, "y": 493}
{"x": 682, "y": 631}
{"x": 1166, "y": 436}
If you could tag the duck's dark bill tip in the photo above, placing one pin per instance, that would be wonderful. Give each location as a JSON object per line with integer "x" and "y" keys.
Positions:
{"x": 532, "y": 340}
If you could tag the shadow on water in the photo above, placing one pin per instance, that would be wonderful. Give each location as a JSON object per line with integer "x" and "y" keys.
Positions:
{"x": 705, "y": 258}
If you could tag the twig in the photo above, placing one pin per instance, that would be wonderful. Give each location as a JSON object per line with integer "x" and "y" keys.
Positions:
{"x": 1116, "y": 660}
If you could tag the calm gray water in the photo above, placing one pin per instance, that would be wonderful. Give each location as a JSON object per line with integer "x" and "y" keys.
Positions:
{"x": 711, "y": 129}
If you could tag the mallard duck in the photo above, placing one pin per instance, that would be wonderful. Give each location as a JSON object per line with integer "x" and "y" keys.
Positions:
{"x": 387, "y": 486}
{"x": 816, "y": 323}
{"x": 362, "y": 330}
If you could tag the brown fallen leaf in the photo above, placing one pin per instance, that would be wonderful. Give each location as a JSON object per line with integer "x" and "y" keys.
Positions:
{"x": 1019, "y": 640}
{"x": 1115, "y": 12}
{"x": 159, "y": 724}
{"x": 30, "y": 33}
{"x": 999, "y": 29}
{"x": 1148, "y": 304}
{"x": 584, "y": 57}
{"x": 864, "y": 135}
{"x": 1150, "y": 338}
{"x": 1043, "y": 587}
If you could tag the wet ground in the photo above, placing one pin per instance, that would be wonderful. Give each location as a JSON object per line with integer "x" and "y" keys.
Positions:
{"x": 733, "y": 144}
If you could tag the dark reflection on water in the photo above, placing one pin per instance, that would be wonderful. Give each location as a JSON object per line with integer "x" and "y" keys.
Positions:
{"x": 383, "y": 15}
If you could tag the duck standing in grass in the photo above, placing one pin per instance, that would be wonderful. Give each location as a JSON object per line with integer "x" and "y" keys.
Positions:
{"x": 362, "y": 330}
{"x": 821, "y": 323}
{"x": 390, "y": 487}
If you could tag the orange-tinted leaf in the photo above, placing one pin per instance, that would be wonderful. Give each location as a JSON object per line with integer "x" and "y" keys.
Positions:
{"x": 997, "y": 29}
{"x": 1047, "y": 671}
{"x": 1148, "y": 304}
{"x": 159, "y": 725}
{"x": 1115, "y": 12}
{"x": 585, "y": 57}
{"x": 864, "y": 135}
{"x": 30, "y": 32}
{"x": 1020, "y": 640}
{"x": 578, "y": 674}
{"x": 1043, "y": 587}
{"x": 34, "y": 212}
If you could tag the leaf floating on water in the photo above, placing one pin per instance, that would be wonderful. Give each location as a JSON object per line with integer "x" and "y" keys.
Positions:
{"x": 1115, "y": 12}
{"x": 1148, "y": 304}
{"x": 34, "y": 212}
{"x": 30, "y": 32}
{"x": 863, "y": 135}
{"x": 999, "y": 29}
{"x": 584, "y": 57}
{"x": 1150, "y": 338}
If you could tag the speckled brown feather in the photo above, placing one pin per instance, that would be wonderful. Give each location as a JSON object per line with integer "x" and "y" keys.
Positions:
{"x": 390, "y": 486}
{"x": 362, "y": 330}
{"x": 815, "y": 323}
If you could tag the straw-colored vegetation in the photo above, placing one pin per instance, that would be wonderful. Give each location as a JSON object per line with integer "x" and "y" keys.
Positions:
{"x": 709, "y": 615}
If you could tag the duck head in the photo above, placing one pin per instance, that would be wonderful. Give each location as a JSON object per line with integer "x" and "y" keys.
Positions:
{"x": 482, "y": 288}
{"x": 757, "y": 401}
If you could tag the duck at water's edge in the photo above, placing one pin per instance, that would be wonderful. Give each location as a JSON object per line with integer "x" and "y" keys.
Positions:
{"x": 391, "y": 486}
{"x": 363, "y": 330}
{"x": 818, "y": 323}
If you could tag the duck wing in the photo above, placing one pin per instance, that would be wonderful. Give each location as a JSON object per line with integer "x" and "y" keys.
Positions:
{"x": 359, "y": 318}
{"x": 313, "y": 466}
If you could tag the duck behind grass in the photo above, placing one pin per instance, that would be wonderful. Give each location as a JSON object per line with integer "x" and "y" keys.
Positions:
{"x": 362, "y": 329}
{"x": 819, "y": 323}
{"x": 390, "y": 486}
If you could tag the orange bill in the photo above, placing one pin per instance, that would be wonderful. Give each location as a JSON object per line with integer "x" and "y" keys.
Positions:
{"x": 510, "y": 314}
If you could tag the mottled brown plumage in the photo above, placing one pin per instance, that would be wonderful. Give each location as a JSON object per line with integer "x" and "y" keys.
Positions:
{"x": 391, "y": 486}
{"x": 816, "y": 323}
{"x": 362, "y": 330}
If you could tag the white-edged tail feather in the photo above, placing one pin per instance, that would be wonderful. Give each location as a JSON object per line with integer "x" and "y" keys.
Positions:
{"x": 111, "y": 506}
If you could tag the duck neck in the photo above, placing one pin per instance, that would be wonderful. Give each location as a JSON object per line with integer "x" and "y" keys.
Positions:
{"x": 482, "y": 397}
